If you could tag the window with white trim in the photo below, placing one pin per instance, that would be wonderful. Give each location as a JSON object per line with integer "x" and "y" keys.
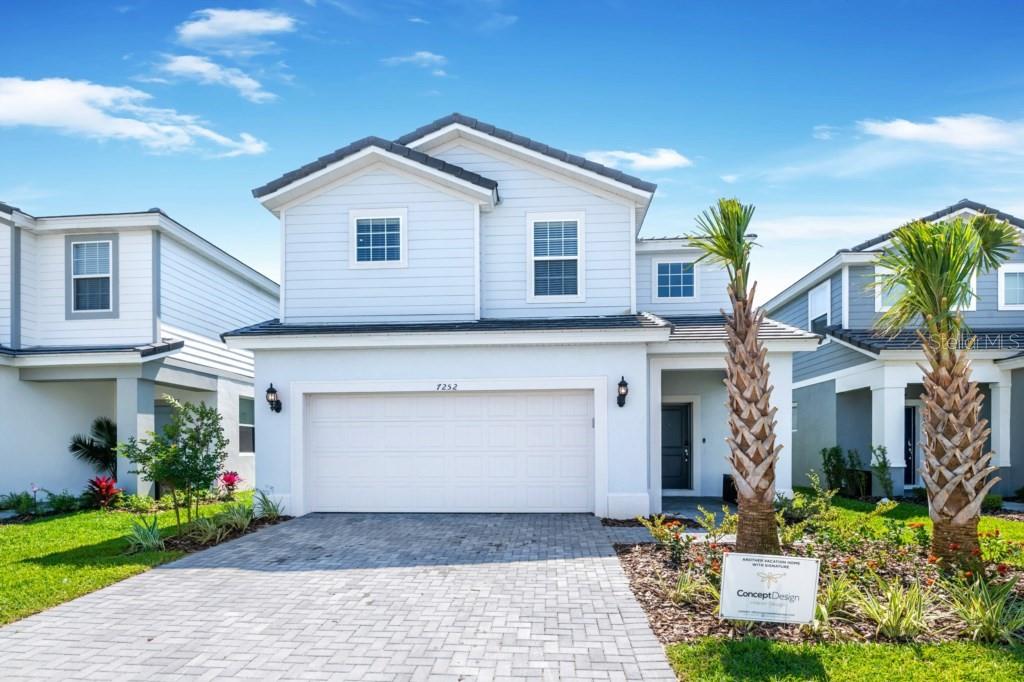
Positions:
{"x": 379, "y": 238}
{"x": 675, "y": 279}
{"x": 556, "y": 262}
{"x": 819, "y": 307}
{"x": 246, "y": 425}
{"x": 886, "y": 297}
{"x": 1011, "y": 286}
{"x": 91, "y": 276}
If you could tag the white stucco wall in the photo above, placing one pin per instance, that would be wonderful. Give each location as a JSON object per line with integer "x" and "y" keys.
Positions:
{"x": 37, "y": 423}
{"x": 625, "y": 430}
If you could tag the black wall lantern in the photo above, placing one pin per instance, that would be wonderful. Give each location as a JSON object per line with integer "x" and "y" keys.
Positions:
{"x": 273, "y": 400}
{"x": 623, "y": 392}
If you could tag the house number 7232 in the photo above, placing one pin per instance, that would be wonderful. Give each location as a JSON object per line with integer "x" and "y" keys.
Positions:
{"x": 447, "y": 387}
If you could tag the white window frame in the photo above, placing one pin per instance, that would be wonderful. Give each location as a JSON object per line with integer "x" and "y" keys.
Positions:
{"x": 109, "y": 276}
{"x": 879, "y": 308}
{"x": 685, "y": 258}
{"x": 581, "y": 265}
{"x": 1005, "y": 270}
{"x": 241, "y": 452}
{"x": 356, "y": 215}
{"x": 827, "y": 286}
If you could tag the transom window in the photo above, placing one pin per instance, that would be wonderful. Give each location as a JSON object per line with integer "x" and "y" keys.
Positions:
{"x": 246, "y": 425}
{"x": 676, "y": 280}
{"x": 91, "y": 276}
{"x": 1011, "y": 286}
{"x": 378, "y": 239}
{"x": 555, "y": 254}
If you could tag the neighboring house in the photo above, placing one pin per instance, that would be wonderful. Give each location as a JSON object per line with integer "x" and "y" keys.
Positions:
{"x": 861, "y": 389}
{"x": 105, "y": 315}
{"x": 458, "y": 309}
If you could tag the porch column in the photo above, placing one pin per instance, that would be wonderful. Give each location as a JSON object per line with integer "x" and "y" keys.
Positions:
{"x": 135, "y": 418}
{"x": 1001, "y": 418}
{"x": 782, "y": 398}
{"x": 888, "y": 403}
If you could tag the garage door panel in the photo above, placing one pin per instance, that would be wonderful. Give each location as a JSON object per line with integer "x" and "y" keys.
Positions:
{"x": 471, "y": 452}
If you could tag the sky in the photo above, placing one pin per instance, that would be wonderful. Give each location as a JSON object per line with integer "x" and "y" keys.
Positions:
{"x": 838, "y": 120}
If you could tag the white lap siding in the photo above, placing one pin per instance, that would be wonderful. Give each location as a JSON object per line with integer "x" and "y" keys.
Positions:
{"x": 5, "y": 281}
{"x": 437, "y": 283}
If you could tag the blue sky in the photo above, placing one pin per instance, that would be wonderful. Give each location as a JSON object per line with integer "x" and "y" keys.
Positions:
{"x": 838, "y": 120}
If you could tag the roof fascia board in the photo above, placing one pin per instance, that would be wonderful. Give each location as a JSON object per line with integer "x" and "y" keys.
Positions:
{"x": 286, "y": 195}
{"x": 816, "y": 275}
{"x": 445, "y": 339}
{"x": 679, "y": 347}
{"x": 851, "y": 346}
{"x": 664, "y": 245}
{"x": 458, "y": 130}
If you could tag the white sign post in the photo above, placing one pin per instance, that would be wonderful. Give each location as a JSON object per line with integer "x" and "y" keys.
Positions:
{"x": 760, "y": 587}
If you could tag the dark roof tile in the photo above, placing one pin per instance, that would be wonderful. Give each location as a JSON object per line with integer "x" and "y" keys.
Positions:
{"x": 938, "y": 215}
{"x": 712, "y": 328}
{"x": 874, "y": 342}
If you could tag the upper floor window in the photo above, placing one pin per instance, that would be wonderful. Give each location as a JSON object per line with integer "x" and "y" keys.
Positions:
{"x": 378, "y": 238}
{"x": 556, "y": 257}
{"x": 886, "y": 297}
{"x": 1011, "y": 286}
{"x": 819, "y": 307}
{"x": 674, "y": 279}
{"x": 91, "y": 277}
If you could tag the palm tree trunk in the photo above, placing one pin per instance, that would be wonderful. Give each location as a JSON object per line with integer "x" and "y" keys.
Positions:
{"x": 752, "y": 448}
{"x": 956, "y": 468}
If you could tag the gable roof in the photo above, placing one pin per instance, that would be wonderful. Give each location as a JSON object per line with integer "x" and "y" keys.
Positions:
{"x": 712, "y": 328}
{"x": 940, "y": 214}
{"x": 380, "y": 143}
{"x": 526, "y": 142}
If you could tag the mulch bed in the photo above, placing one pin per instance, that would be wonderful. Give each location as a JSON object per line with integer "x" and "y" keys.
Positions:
{"x": 184, "y": 543}
{"x": 652, "y": 575}
{"x": 1005, "y": 514}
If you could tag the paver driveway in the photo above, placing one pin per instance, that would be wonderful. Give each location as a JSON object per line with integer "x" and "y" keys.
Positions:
{"x": 368, "y": 597}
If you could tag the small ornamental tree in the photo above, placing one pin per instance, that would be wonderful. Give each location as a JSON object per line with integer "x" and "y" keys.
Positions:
{"x": 187, "y": 457}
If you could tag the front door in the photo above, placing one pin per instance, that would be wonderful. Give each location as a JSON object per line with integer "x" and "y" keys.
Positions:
{"x": 910, "y": 445}
{"x": 676, "y": 447}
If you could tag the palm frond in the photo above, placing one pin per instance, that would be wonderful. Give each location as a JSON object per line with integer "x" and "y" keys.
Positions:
{"x": 99, "y": 449}
{"x": 722, "y": 237}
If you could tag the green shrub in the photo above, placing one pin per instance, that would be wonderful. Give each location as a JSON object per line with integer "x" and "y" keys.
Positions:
{"x": 880, "y": 467}
{"x": 145, "y": 536}
{"x": 716, "y": 530}
{"x": 687, "y": 589}
{"x": 20, "y": 503}
{"x": 208, "y": 531}
{"x": 237, "y": 516}
{"x": 267, "y": 508}
{"x": 62, "y": 502}
{"x": 136, "y": 504}
{"x": 834, "y": 600}
{"x": 920, "y": 495}
{"x": 856, "y": 482}
{"x": 989, "y": 610}
{"x": 656, "y": 525}
{"x": 992, "y": 503}
{"x": 898, "y": 613}
{"x": 834, "y": 465}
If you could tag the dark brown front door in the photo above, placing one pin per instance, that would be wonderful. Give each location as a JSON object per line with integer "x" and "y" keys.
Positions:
{"x": 677, "y": 446}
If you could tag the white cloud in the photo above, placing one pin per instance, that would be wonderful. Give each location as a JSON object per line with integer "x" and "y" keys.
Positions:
{"x": 660, "y": 158}
{"x": 418, "y": 20}
{"x": 422, "y": 58}
{"x": 440, "y": 73}
{"x": 209, "y": 72}
{"x": 844, "y": 230}
{"x": 973, "y": 132}
{"x": 823, "y": 132}
{"x": 730, "y": 178}
{"x": 105, "y": 112}
{"x": 236, "y": 32}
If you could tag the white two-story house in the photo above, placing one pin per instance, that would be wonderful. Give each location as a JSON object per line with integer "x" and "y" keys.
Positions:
{"x": 470, "y": 323}
{"x": 106, "y": 315}
{"x": 860, "y": 389}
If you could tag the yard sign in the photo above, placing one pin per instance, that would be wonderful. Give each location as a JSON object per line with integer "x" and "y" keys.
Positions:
{"x": 777, "y": 589}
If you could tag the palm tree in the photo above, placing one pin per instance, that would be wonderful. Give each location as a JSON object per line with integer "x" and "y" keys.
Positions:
{"x": 722, "y": 236}
{"x": 933, "y": 265}
{"x": 99, "y": 448}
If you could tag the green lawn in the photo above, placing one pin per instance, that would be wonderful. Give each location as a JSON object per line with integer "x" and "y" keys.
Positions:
{"x": 759, "y": 660}
{"x": 53, "y": 559}
{"x": 909, "y": 512}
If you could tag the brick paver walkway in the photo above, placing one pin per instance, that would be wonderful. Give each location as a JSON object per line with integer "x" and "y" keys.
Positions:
{"x": 364, "y": 597}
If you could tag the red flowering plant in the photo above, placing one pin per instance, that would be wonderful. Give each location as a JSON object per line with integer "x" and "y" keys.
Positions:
{"x": 228, "y": 482}
{"x": 101, "y": 492}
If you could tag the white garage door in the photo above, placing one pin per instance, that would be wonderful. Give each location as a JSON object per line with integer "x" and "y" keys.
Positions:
{"x": 524, "y": 451}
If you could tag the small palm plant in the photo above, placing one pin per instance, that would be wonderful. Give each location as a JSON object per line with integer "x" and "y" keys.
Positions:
{"x": 722, "y": 236}
{"x": 99, "y": 448}
{"x": 933, "y": 265}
